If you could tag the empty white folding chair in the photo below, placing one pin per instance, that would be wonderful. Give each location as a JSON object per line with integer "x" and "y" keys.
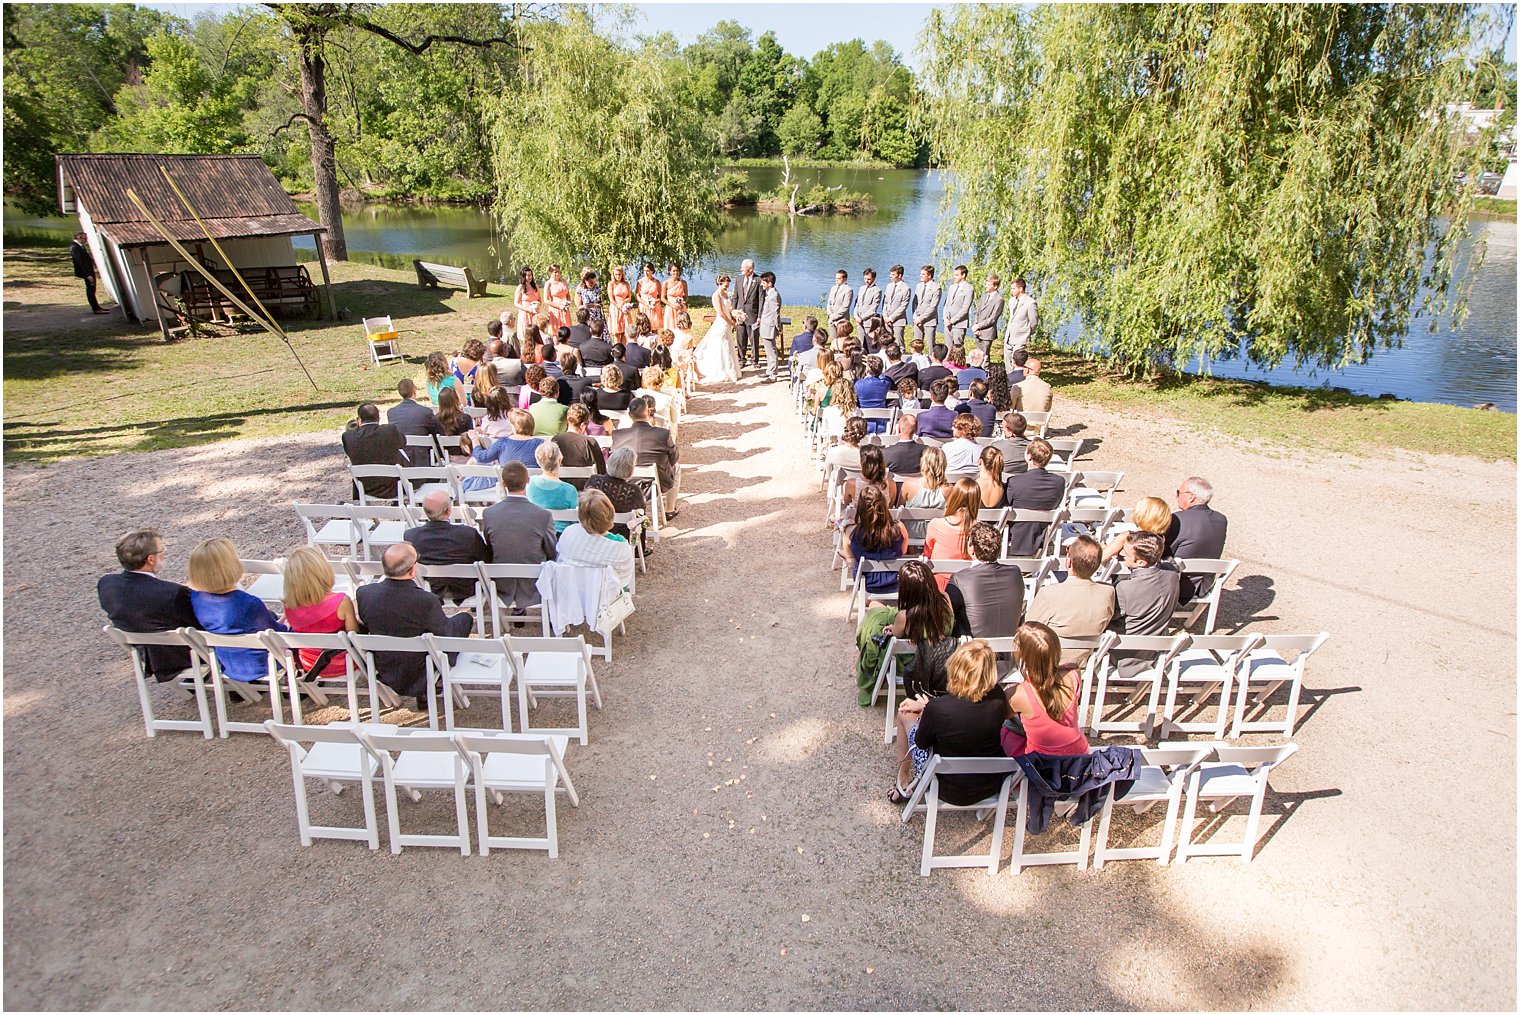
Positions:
{"x": 417, "y": 481}
{"x": 926, "y": 798}
{"x": 380, "y": 527}
{"x": 382, "y": 338}
{"x": 424, "y": 760}
{"x": 362, "y": 472}
{"x": 1238, "y": 772}
{"x": 1155, "y": 653}
{"x": 336, "y": 757}
{"x": 1038, "y": 423}
{"x": 1263, "y": 672}
{"x": 1163, "y": 777}
{"x": 485, "y": 496}
{"x": 481, "y": 666}
{"x": 380, "y": 694}
{"x": 191, "y": 680}
{"x": 502, "y": 763}
{"x": 1094, "y": 489}
{"x": 287, "y": 647}
{"x": 1207, "y": 671}
{"x": 553, "y": 668}
{"x": 205, "y": 644}
{"x": 499, "y": 610}
{"x": 329, "y": 525}
{"x": 1206, "y": 606}
{"x": 1064, "y": 453}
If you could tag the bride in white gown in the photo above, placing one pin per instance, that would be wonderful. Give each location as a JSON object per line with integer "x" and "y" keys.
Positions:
{"x": 715, "y": 356}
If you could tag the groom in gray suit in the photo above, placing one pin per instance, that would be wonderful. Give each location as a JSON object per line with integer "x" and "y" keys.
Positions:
{"x": 957, "y": 307}
{"x": 770, "y": 322}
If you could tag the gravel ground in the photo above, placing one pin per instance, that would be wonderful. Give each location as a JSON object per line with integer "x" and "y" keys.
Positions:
{"x": 734, "y": 848}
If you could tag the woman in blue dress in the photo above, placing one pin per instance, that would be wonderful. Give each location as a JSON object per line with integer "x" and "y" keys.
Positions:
{"x": 223, "y": 608}
{"x": 589, "y": 296}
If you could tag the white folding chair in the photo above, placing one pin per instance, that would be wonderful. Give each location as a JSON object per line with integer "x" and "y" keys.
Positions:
{"x": 1023, "y": 857}
{"x": 1238, "y": 772}
{"x": 1064, "y": 452}
{"x": 191, "y": 680}
{"x": 502, "y": 763}
{"x": 329, "y": 525}
{"x": 1038, "y": 577}
{"x": 890, "y": 680}
{"x": 858, "y": 593}
{"x": 1038, "y": 423}
{"x": 268, "y": 583}
{"x": 1163, "y": 777}
{"x": 500, "y": 611}
{"x": 417, "y": 481}
{"x": 1265, "y": 670}
{"x": 447, "y": 446}
{"x": 380, "y": 694}
{"x": 1219, "y": 570}
{"x": 635, "y": 522}
{"x": 381, "y": 337}
{"x": 1092, "y": 522}
{"x": 425, "y": 760}
{"x": 205, "y": 644}
{"x": 423, "y": 447}
{"x": 380, "y": 527}
{"x": 487, "y": 496}
{"x": 1016, "y": 517}
{"x": 286, "y": 646}
{"x": 1143, "y": 686}
{"x": 926, "y": 798}
{"x": 363, "y": 572}
{"x": 613, "y": 605}
{"x": 361, "y": 472}
{"x": 336, "y": 757}
{"x": 553, "y": 668}
{"x": 1208, "y": 670}
{"x": 478, "y": 412}
{"x": 481, "y": 665}
{"x": 1094, "y": 489}
{"x": 474, "y": 604}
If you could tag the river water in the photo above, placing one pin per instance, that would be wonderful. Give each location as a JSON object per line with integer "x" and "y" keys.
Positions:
{"x": 1466, "y": 366}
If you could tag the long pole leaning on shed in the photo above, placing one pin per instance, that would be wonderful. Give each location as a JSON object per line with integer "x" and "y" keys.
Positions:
{"x": 267, "y": 324}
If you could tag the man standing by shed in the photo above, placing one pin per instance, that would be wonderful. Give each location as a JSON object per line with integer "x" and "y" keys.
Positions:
{"x": 84, "y": 267}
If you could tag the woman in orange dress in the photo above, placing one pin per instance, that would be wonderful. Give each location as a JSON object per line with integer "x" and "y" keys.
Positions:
{"x": 675, "y": 293}
{"x": 651, "y": 294}
{"x": 526, "y": 300}
{"x": 621, "y": 302}
{"x": 557, "y": 298}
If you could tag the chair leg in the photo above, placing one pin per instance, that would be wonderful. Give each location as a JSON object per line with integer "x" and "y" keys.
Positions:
{"x": 551, "y": 822}
{"x": 461, "y": 812}
{"x": 147, "y": 703}
{"x": 1168, "y": 830}
{"x": 999, "y": 823}
{"x": 367, "y": 791}
{"x": 1016, "y": 862}
{"x": 220, "y": 688}
{"x": 393, "y": 820}
{"x": 303, "y": 817}
{"x": 1253, "y": 824}
{"x": 931, "y": 816}
{"x": 1298, "y": 686}
{"x": 482, "y": 819}
{"x": 1189, "y": 813}
{"x": 1102, "y": 845}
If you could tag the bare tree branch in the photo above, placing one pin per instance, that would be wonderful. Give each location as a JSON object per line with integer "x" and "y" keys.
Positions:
{"x": 288, "y": 123}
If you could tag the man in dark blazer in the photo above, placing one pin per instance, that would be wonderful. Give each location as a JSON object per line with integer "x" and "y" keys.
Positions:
{"x": 654, "y": 446}
{"x": 988, "y": 597}
{"x": 580, "y": 330}
{"x": 747, "y": 299}
{"x": 1033, "y": 490}
{"x": 398, "y": 608}
{"x": 631, "y": 379}
{"x": 984, "y": 411}
{"x": 440, "y": 541}
{"x": 375, "y": 443}
{"x": 938, "y": 421}
{"x": 1197, "y": 532}
{"x": 937, "y": 369}
{"x": 413, "y": 419}
{"x": 904, "y": 456}
{"x": 899, "y": 369}
{"x": 595, "y": 351}
{"x": 517, "y": 531}
{"x": 138, "y": 601}
{"x": 636, "y": 356}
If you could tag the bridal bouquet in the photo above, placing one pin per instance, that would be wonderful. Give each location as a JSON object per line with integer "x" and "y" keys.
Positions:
{"x": 740, "y": 316}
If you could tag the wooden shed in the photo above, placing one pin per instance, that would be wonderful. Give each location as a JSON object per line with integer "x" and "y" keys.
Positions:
{"x": 240, "y": 204}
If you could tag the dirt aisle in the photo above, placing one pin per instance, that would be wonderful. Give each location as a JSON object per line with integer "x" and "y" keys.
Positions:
{"x": 732, "y": 788}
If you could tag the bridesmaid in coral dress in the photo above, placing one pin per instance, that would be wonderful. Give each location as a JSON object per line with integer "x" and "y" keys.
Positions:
{"x": 526, "y": 300}
{"x": 621, "y": 294}
{"x": 557, "y": 296}
{"x": 674, "y": 295}
{"x": 650, "y": 295}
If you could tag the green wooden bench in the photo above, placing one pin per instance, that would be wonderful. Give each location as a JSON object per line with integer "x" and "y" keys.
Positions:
{"x": 446, "y": 275}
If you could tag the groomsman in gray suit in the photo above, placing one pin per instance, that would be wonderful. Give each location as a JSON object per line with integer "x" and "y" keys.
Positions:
{"x": 841, "y": 300}
{"x": 958, "y": 307}
{"x": 984, "y": 324}
{"x": 898, "y": 299}
{"x": 769, "y": 328}
{"x": 926, "y": 298}
{"x": 1023, "y": 319}
{"x": 868, "y": 302}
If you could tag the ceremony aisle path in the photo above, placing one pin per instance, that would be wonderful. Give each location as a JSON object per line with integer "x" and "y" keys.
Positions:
{"x": 734, "y": 847}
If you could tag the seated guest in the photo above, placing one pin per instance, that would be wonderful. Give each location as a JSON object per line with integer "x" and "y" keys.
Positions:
{"x": 413, "y": 419}
{"x": 1019, "y": 357}
{"x": 839, "y": 405}
{"x": 609, "y": 393}
{"x": 636, "y": 354}
{"x": 440, "y": 541}
{"x": 923, "y": 617}
{"x": 138, "y": 601}
{"x": 949, "y": 537}
{"x": 398, "y": 608}
{"x": 312, "y": 607}
{"x": 1014, "y": 445}
{"x": 508, "y": 363}
{"x": 548, "y": 491}
{"x": 1145, "y": 597}
{"x": 967, "y": 722}
{"x": 927, "y": 490}
{"x": 551, "y": 357}
{"x": 665, "y": 405}
{"x": 439, "y": 376}
{"x": 873, "y": 472}
{"x": 902, "y": 457}
{"x": 595, "y": 352}
{"x": 846, "y": 454}
{"x": 975, "y": 370}
{"x": 464, "y": 365}
{"x": 517, "y": 531}
{"x": 653, "y": 446}
{"x": 807, "y": 359}
{"x": 1150, "y": 514}
{"x": 955, "y": 359}
{"x": 493, "y": 336}
{"x": 579, "y": 450}
{"x": 497, "y": 422}
{"x": 989, "y": 477}
{"x": 571, "y": 383}
{"x": 590, "y": 542}
{"x": 988, "y": 596}
{"x": 871, "y": 392}
{"x": 962, "y": 451}
{"x": 1044, "y": 705}
{"x": 486, "y": 382}
{"x": 907, "y": 397}
{"x": 372, "y": 442}
{"x": 1034, "y": 395}
{"x": 223, "y": 608}
{"x": 580, "y": 330}
{"x": 804, "y": 341}
{"x": 917, "y": 356}
{"x": 937, "y": 370}
{"x": 1032, "y": 490}
{"x": 455, "y": 422}
{"x": 1196, "y": 531}
{"x": 519, "y": 446}
{"x": 876, "y": 535}
{"x": 548, "y": 412}
{"x": 617, "y": 483}
{"x": 1077, "y": 607}
{"x": 937, "y": 421}
{"x": 628, "y": 370}
{"x": 997, "y": 391}
{"x": 533, "y": 376}
{"x": 898, "y": 369}
{"x": 978, "y": 405}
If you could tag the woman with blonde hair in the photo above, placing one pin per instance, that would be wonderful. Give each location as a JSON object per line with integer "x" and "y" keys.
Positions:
{"x": 1044, "y": 706}
{"x": 926, "y": 490}
{"x": 1151, "y": 514}
{"x": 839, "y": 404}
{"x": 965, "y": 723}
{"x": 486, "y": 381}
{"x": 949, "y": 537}
{"x": 590, "y": 541}
{"x": 221, "y": 607}
{"x": 610, "y": 395}
{"x": 665, "y": 407}
{"x": 312, "y": 607}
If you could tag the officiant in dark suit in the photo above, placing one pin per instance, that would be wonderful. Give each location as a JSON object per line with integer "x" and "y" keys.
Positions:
{"x": 747, "y": 301}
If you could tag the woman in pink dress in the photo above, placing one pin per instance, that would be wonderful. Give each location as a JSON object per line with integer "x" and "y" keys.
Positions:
{"x": 620, "y": 303}
{"x": 557, "y": 297}
{"x": 674, "y": 296}
{"x": 1044, "y": 706}
{"x": 651, "y": 294}
{"x": 949, "y": 537}
{"x": 526, "y": 300}
{"x": 312, "y": 607}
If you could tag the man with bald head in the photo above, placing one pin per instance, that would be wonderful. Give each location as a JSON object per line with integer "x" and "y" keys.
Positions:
{"x": 399, "y": 608}
{"x": 439, "y": 541}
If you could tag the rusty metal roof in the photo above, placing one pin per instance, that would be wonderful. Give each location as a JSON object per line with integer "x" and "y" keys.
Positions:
{"x": 236, "y": 196}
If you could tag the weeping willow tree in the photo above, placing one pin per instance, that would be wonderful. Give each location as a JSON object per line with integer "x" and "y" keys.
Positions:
{"x": 1201, "y": 179}
{"x": 595, "y": 160}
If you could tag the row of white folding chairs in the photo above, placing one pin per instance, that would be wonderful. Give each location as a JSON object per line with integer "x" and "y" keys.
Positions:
{"x": 1179, "y": 775}
{"x": 491, "y": 762}
{"x": 538, "y": 667}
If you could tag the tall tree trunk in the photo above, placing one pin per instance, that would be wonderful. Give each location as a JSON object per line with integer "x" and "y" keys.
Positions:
{"x": 324, "y": 159}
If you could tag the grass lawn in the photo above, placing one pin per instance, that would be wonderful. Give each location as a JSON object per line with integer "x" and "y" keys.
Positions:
{"x": 76, "y": 383}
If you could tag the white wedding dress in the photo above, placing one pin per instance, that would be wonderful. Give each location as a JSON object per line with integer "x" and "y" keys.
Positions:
{"x": 716, "y": 359}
